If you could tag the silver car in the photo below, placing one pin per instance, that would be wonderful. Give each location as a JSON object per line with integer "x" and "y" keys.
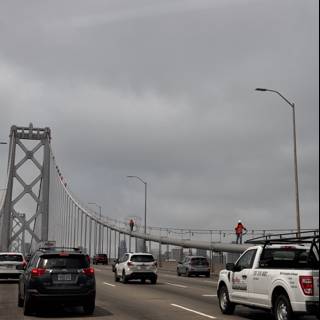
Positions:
{"x": 193, "y": 265}
{"x": 11, "y": 265}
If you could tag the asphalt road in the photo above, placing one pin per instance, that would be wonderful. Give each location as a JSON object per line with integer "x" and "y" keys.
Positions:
{"x": 172, "y": 298}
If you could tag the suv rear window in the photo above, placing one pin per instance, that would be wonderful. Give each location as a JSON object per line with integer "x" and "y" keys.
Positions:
{"x": 199, "y": 261}
{"x": 142, "y": 258}
{"x": 63, "y": 262}
{"x": 11, "y": 257}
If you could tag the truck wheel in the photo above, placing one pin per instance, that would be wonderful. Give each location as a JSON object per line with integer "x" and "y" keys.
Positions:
{"x": 226, "y": 306}
{"x": 282, "y": 308}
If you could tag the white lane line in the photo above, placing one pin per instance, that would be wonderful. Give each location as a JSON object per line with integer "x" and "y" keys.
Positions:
{"x": 209, "y": 295}
{"x": 176, "y": 285}
{"x": 95, "y": 269}
{"x": 193, "y": 311}
{"x": 212, "y": 282}
{"x": 109, "y": 284}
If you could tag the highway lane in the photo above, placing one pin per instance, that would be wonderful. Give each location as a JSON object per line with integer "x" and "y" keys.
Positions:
{"x": 172, "y": 298}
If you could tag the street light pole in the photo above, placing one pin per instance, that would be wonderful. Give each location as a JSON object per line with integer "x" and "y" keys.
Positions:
{"x": 145, "y": 208}
{"x": 294, "y": 153}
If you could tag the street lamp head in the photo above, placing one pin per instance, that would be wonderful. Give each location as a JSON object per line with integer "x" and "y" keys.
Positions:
{"x": 261, "y": 89}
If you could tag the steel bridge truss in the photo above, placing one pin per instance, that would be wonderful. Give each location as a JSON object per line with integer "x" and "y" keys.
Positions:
{"x": 13, "y": 224}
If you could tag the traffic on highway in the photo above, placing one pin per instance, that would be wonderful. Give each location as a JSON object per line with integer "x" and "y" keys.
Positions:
{"x": 61, "y": 283}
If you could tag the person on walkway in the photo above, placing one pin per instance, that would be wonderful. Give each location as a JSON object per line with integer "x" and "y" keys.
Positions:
{"x": 131, "y": 224}
{"x": 239, "y": 231}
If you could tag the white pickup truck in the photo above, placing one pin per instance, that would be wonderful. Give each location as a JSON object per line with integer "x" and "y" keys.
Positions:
{"x": 281, "y": 276}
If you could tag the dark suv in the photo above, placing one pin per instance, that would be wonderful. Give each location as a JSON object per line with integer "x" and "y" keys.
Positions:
{"x": 61, "y": 276}
{"x": 100, "y": 258}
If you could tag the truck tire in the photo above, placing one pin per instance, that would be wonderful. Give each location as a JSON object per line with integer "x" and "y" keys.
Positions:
{"x": 282, "y": 308}
{"x": 225, "y": 305}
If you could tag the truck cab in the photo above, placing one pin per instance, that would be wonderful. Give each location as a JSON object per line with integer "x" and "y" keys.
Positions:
{"x": 280, "y": 275}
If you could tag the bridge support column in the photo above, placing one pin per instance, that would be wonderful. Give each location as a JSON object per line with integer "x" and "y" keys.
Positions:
{"x": 115, "y": 245}
{"x": 90, "y": 235}
{"x": 81, "y": 228}
{"x": 102, "y": 238}
{"x": 107, "y": 242}
{"x": 85, "y": 231}
{"x": 160, "y": 253}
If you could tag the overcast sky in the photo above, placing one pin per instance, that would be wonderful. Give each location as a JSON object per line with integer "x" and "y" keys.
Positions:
{"x": 165, "y": 90}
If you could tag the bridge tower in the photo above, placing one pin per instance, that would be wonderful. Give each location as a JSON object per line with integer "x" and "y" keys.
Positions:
{"x": 15, "y": 226}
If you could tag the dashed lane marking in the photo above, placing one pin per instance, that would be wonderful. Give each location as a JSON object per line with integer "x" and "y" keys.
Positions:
{"x": 209, "y": 295}
{"x": 212, "y": 282}
{"x": 193, "y": 311}
{"x": 109, "y": 284}
{"x": 176, "y": 285}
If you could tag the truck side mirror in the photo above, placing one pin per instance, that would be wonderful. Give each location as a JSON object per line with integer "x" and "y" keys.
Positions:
{"x": 230, "y": 266}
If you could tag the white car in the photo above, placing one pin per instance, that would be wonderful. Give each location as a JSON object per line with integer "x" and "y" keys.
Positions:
{"x": 132, "y": 266}
{"x": 12, "y": 265}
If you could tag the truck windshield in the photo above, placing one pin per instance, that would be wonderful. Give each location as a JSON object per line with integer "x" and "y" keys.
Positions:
{"x": 288, "y": 258}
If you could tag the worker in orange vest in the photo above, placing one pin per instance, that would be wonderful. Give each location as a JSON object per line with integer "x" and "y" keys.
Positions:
{"x": 239, "y": 231}
{"x": 131, "y": 224}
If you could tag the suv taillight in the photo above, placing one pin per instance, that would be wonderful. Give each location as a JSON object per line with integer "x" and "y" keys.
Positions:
{"x": 306, "y": 283}
{"x": 88, "y": 271}
{"x": 37, "y": 272}
{"x": 130, "y": 264}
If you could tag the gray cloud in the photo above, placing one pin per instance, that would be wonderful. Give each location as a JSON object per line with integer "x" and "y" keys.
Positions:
{"x": 166, "y": 91}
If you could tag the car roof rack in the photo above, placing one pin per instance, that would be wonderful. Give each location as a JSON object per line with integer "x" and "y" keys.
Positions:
{"x": 304, "y": 237}
{"x": 61, "y": 249}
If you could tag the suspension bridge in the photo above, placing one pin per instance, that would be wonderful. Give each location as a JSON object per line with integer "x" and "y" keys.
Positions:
{"x": 57, "y": 215}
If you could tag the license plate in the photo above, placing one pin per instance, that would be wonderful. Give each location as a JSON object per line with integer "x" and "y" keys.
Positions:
{"x": 64, "y": 277}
